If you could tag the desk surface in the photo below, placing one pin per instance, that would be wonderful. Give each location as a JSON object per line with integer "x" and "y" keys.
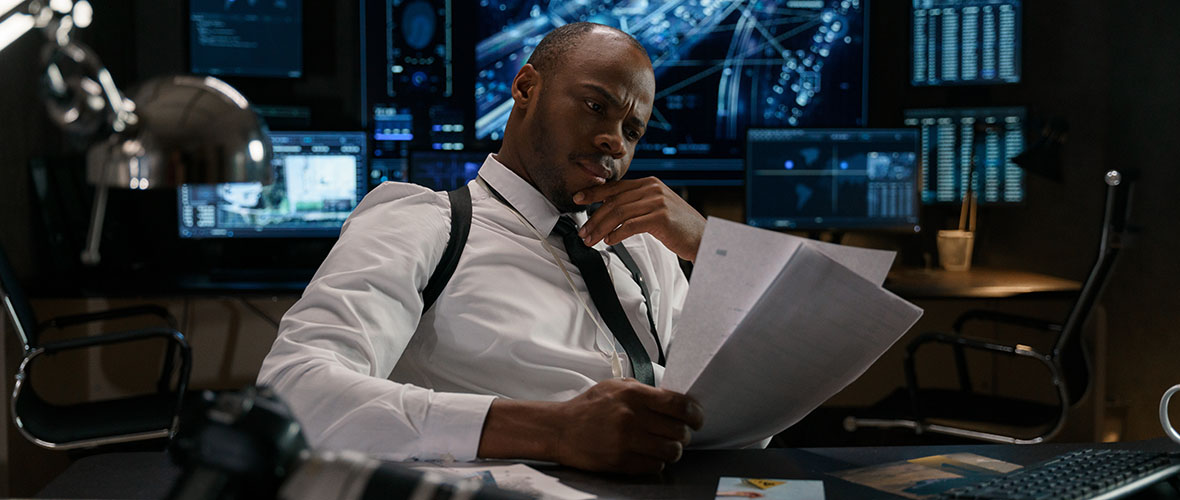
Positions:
{"x": 976, "y": 283}
{"x": 149, "y": 475}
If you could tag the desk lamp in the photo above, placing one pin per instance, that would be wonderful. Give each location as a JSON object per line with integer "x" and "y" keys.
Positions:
{"x": 1044, "y": 156}
{"x": 173, "y": 130}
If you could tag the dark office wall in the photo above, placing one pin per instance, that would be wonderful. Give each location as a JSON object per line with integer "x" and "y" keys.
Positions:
{"x": 1143, "y": 301}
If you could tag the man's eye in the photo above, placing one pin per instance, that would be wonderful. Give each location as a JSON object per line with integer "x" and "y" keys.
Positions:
{"x": 595, "y": 107}
{"x": 633, "y": 135}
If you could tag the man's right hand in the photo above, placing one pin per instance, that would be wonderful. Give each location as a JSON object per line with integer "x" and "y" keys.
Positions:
{"x": 619, "y": 425}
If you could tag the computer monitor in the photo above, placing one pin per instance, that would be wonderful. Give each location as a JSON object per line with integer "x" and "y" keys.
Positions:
{"x": 720, "y": 66}
{"x": 832, "y": 179}
{"x": 319, "y": 179}
{"x": 964, "y": 42}
{"x": 949, "y": 139}
{"x": 445, "y": 170}
{"x": 246, "y": 38}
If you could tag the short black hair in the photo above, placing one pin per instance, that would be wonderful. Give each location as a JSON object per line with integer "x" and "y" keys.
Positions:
{"x": 554, "y": 47}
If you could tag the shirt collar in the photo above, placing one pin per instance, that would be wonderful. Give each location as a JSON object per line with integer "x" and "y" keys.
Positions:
{"x": 526, "y": 199}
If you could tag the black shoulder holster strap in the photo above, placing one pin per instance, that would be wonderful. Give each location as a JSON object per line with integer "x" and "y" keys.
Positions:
{"x": 460, "y": 227}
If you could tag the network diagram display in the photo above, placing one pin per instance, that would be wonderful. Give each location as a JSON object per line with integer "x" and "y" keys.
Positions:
{"x": 958, "y": 42}
{"x": 720, "y": 67}
{"x": 445, "y": 170}
{"x": 418, "y": 51}
{"x": 950, "y": 138}
{"x": 246, "y": 38}
{"x": 319, "y": 179}
{"x": 838, "y": 179}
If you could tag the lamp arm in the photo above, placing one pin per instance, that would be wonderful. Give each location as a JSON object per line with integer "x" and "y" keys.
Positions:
{"x": 90, "y": 255}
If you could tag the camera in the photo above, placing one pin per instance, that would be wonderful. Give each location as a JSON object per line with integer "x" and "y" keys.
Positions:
{"x": 247, "y": 444}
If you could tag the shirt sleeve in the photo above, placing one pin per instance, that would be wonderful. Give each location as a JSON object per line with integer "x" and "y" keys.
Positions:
{"x": 339, "y": 343}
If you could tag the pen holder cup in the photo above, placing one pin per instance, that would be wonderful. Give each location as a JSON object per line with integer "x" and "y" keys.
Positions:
{"x": 954, "y": 249}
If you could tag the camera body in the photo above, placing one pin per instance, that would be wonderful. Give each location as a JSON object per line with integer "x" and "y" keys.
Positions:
{"x": 247, "y": 444}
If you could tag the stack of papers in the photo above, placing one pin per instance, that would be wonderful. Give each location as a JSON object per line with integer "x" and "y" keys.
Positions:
{"x": 515, "y": 477}
{"x": 774, "y": 325}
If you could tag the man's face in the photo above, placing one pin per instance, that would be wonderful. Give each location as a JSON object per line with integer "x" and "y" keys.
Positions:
{"x": 589, "y": 114}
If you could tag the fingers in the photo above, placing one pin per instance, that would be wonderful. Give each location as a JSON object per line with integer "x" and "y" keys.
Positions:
{"x": 659, "y": 448}
{"x": 622, "y": 425}
{"x": 679, "y": 407}
{"x": 640, "y": 200}
{"x": 667, "y": 427}
{"x": 642, "y": 206}
{"x": 670, "y": 404}
{"x": 621, "y": 222}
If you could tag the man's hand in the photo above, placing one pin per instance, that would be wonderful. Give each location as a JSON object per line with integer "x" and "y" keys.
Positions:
{"x": 619, "y": 425}
{"x": 623, "y": 425}
{"x": 645, "y": 205}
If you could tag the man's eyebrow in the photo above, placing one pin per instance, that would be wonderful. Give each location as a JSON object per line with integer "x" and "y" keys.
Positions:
{"x": 614, "y": 101}
{"x": 606, "y": 94}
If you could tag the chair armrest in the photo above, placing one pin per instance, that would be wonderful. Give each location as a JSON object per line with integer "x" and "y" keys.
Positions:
{"x": 959, "y": 340}
{"x": 999, "y": 317}
{"x": 122, "y": 312}
{"x": 175, "y": 340}
{"x": 115, "y": 338}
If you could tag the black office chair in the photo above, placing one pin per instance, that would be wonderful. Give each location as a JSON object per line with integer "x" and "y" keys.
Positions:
{"x": 151, "y": 417}
{"x": 964, "y": 413}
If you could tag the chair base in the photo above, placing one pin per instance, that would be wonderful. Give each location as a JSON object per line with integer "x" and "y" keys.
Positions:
{"x": 90, "y": 424}
{"x": 971, "y": 416}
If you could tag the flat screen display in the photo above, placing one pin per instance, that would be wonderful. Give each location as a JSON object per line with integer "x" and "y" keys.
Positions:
{"x": 246, "y": 37}
{"x": 720, "y": 67}
{"x": 319, "y": 179}
{"x": 965, "y": 42}
{"x": 445, "y": 170}
{"x": 832, "y": 179}
{"x": 950, "y": 138}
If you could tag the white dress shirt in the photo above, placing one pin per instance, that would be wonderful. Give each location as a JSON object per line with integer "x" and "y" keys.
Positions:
{"x": 363, "y": 369}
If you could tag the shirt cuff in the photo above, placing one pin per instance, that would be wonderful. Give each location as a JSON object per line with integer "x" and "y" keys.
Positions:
{"x": 455, "y": 425}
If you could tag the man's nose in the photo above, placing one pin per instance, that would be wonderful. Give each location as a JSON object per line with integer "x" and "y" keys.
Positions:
{"x": 611, "y": 142}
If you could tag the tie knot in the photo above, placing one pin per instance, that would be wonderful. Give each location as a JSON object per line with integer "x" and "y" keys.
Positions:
{"x": 565, "y": 226}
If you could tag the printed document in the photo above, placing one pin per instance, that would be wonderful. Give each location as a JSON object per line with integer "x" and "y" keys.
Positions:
{"x": 774, "y": 325}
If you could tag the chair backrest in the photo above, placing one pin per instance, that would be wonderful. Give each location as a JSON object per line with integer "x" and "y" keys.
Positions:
{"x": 1069, "y": 350}
{"x": 15, "y": 304}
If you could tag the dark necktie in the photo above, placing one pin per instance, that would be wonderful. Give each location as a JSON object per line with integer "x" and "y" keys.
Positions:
{"x": 602, "y": 292}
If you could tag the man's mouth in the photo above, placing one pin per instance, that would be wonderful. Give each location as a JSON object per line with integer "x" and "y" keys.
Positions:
{"x": 602, "y": 172}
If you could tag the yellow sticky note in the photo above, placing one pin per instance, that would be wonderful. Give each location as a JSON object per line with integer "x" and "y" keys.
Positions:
{"x": 762, "y": 484}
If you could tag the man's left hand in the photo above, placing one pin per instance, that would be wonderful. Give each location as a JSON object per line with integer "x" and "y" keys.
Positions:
{"x": 645, "y": 205}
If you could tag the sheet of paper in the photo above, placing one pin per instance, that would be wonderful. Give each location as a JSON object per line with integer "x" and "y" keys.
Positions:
{"x": 769, "y": 489}
{"x": 816, "y": 328}
{"x": 735, "y": 265}
{"x": 516, "y": 477}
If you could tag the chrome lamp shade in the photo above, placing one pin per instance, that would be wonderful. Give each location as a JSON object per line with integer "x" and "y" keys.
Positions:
{"x": 189, "y": 129}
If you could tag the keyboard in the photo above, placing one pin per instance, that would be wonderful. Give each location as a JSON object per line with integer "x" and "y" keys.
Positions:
{"x": 1082, "y": 474}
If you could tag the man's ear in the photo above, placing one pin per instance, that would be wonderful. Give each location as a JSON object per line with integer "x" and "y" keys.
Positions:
{"x": 525, "y": 86}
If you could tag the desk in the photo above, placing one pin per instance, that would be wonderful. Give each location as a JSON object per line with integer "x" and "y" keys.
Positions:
{"x": 976, "y": 283}
{"x": 148, "y": 475}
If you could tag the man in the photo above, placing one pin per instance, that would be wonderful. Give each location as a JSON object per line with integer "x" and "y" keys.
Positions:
{"x": 510, "y": 362}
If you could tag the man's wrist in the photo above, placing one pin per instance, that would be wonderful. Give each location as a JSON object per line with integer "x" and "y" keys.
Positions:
{"x": 520, "y": 429}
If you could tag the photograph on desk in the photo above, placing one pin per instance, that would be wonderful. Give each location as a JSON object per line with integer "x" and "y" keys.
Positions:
{"x": 769, "y": 489}
{"x": 927, "y": 476}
